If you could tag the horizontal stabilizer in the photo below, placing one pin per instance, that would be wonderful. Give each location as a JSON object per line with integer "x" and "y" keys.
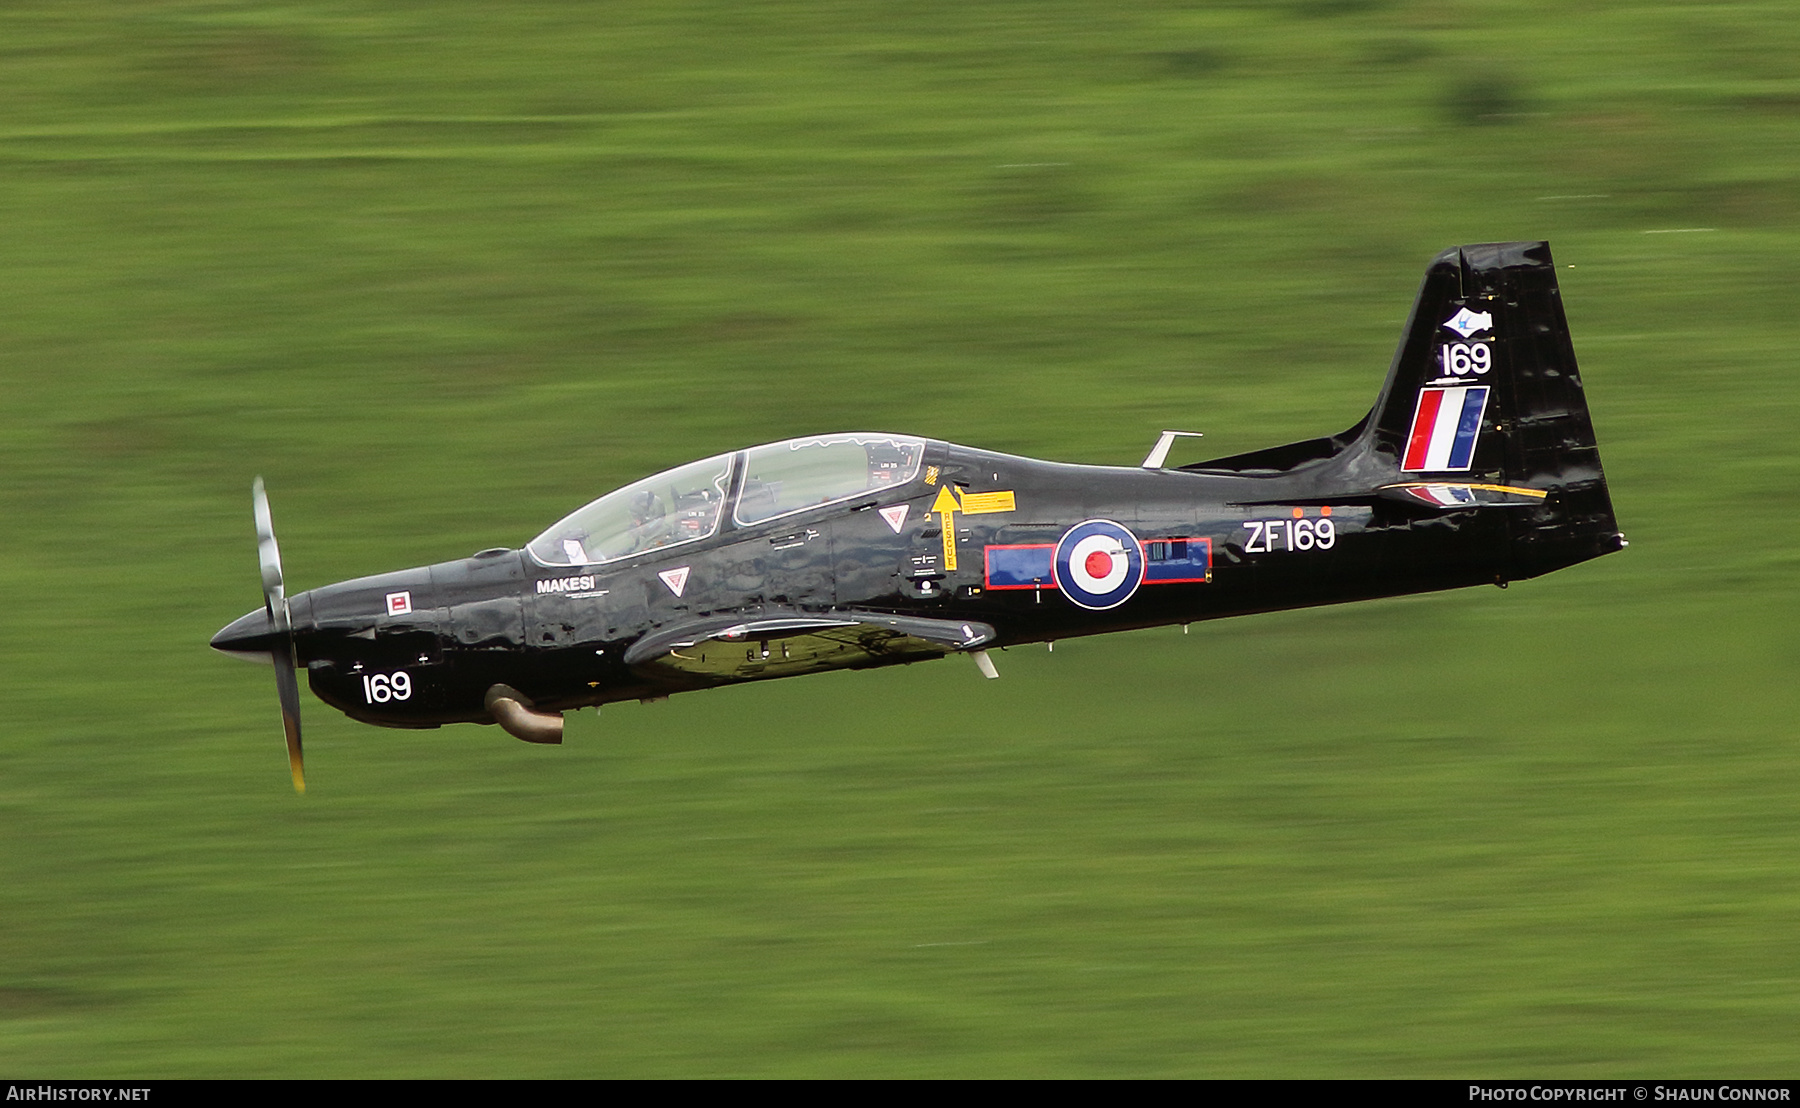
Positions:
{"x": 786, "y": 644}
{"x": 1436, "y": 495}
{"x": 1445, "y": 497}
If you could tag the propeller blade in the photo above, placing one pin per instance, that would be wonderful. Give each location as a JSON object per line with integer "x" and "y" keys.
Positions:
{"x": 268, "y": 555}
{"x": 287, "y": 686}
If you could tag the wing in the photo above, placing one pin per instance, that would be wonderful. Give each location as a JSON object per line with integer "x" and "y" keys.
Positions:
{"x": 784, "y": 645}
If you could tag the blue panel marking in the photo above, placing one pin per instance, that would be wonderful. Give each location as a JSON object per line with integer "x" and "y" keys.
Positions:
{"x": 1020, "y": 567}
{"x": 1171, "y": 560}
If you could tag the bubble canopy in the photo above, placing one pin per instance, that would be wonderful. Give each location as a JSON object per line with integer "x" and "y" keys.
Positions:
{"x": 787, "y": 477}
{"x": 677, "y": 506}
{"x": 687, "y": 504}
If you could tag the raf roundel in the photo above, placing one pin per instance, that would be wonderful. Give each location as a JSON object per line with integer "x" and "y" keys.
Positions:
{"x": 1098, "y": 564}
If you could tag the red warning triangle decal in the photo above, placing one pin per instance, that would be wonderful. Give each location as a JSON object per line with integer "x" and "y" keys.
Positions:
{"x": 676, "y": 579}
{"x": 895, "y": 516}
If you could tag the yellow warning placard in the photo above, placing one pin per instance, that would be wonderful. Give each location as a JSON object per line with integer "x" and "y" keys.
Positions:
{"x": 976, "y": 503}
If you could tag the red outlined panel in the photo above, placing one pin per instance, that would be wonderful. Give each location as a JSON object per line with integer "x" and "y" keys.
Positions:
{"x": 1187, "y": 560}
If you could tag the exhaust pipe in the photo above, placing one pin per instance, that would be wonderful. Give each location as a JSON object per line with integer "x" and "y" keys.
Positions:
{"x": 512, "y": 710}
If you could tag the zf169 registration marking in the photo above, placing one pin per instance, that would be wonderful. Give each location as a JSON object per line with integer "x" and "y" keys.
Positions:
{"x": 1270, "y": 535}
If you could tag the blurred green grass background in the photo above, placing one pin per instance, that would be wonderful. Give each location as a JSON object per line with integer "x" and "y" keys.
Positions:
{"x": 443, "y": 271}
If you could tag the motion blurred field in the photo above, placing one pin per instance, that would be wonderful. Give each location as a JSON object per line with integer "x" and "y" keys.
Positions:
{"x": 442, "y": 272}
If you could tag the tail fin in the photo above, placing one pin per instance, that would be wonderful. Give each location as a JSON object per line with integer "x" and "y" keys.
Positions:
{"x": 1484, "y": 391}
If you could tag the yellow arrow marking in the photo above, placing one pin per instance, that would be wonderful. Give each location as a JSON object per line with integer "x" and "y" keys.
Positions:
{"x": 972, "y": 504}
{"x": 946, "y": 507}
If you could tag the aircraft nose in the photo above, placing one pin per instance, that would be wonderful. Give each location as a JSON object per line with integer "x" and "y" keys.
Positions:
{"x": 250, "y": 637}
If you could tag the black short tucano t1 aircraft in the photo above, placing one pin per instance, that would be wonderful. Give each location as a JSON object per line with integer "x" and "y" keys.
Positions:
{"x": 1477, "y": 465}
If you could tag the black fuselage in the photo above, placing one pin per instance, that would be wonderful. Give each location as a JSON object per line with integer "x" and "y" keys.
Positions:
{"x": 1238, "y": 544}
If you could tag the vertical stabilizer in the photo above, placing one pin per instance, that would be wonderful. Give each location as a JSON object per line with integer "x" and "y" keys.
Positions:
{"x": 1485, "y": 389}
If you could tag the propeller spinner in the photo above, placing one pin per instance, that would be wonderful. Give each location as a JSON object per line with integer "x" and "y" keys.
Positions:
{"x": 268, "y": 555}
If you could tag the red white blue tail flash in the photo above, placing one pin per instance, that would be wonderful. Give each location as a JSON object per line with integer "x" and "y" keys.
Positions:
{"x": 1444, "y": 428}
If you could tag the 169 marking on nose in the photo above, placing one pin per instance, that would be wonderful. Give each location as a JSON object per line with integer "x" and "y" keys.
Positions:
{"x": 379, "y": 688}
